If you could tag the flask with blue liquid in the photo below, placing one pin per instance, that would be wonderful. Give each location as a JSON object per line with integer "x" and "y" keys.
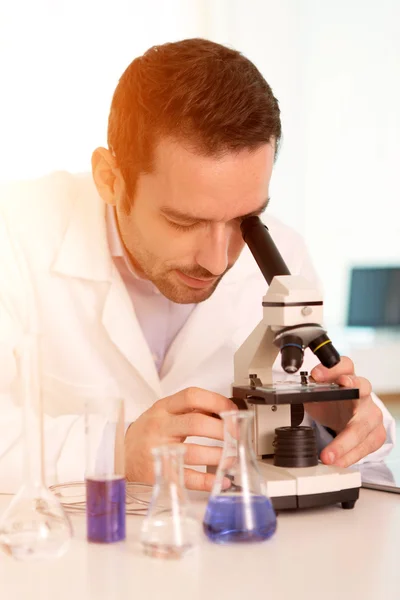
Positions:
{"x": 238, "y": 509}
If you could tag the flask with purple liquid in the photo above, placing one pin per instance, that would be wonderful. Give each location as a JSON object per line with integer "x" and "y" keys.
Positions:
{"x": 105, "y": 470}
{"x": 238, "y": 509}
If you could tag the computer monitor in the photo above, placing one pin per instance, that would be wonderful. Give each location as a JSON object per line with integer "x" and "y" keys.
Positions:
{"x": 374, "y": 299}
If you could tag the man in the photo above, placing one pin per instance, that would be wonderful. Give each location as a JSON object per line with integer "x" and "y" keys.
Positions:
{"x": 139, "y": 284}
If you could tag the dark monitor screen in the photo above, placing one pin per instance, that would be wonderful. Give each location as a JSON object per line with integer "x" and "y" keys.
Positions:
{"x": 374, "y": 297}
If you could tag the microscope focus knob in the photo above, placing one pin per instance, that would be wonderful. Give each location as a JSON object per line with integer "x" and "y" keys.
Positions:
{"x": 295, "y": 447}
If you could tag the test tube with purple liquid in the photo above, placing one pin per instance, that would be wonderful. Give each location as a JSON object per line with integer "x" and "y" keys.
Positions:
{"x": 105, "y": 465}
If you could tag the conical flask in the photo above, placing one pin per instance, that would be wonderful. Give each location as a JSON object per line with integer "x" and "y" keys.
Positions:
{"x": 35, "y": 525}
{"x": 241, "y": 512}
{"x": 169, "y": 529}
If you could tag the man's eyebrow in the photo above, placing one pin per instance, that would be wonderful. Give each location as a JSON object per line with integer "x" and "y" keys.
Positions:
{"x": 179, "y": 215}
{"x": 257, "y": 212}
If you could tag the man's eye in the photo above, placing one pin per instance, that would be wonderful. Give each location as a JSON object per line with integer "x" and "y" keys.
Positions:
{"x": 181, "y": 227}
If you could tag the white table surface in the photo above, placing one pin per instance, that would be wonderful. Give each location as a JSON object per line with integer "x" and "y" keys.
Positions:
{"x": 327, "y": 554}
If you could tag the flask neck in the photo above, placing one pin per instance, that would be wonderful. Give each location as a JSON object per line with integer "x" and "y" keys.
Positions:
{"x": 168, "y": 466}
{"x": 238, "y": 434}
{"x": 31, "y": 402}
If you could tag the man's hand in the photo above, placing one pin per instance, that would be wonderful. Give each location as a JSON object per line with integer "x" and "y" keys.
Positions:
{"x": 172, "y": 420}
{"x": 358, "y": 423}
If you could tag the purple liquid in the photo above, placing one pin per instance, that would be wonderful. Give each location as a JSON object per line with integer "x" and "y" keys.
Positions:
{"x": 105, "y": 510}
{"x": 227, "y": 519}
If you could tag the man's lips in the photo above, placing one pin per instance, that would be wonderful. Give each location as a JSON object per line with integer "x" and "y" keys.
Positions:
{"x": 194, "y": 282}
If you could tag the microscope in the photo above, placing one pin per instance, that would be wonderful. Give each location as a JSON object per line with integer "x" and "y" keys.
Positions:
{"x": 286, "y": 451}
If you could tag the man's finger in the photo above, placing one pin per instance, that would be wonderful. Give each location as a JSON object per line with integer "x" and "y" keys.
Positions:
{"x": 202, "y": 455}
{"x": 202, "y": 482}
{"x": 195, "y": 399}
{"x": 344, "y": 367}
{"x": 195, "y": 424}
{"x": 373, "y": 442}
{"x": 352, "y": 381}
{"x": 352, "y": 436}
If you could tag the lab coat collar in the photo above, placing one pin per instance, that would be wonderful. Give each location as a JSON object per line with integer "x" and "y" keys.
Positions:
{"x": 82, "y": 255}
{"x": 85, "y": 254}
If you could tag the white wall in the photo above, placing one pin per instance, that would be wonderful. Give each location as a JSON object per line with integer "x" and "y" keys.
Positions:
{"x": 352, "y": 99}
{"x": 60, "y": 61}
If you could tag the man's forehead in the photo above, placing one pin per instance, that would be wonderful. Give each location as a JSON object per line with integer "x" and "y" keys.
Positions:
{"x": 212, "y": 188}
{"x": 172, "y": 158}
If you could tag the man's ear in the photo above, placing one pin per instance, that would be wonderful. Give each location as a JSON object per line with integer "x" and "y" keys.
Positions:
{"x": 107, "y": 176}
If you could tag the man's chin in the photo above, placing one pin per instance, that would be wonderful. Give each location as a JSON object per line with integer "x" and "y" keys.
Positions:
{"x": 182, "y": 294}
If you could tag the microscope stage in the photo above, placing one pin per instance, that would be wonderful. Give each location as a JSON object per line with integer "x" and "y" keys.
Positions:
{"x": 294, "y": 393}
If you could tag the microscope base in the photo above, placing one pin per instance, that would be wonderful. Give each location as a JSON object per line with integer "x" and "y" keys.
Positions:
{"x": 322, "y": 485}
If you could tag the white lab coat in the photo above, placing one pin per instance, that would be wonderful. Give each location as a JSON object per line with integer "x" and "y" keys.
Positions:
{"x": 56, "y": 271}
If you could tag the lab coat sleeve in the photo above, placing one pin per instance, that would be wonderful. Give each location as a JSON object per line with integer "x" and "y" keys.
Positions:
{"x": 64, "y": 435}
{"x": 306, "y": 269}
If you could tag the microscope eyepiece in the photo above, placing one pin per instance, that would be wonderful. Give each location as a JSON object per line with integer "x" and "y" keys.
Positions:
{"x": 262, "y": 247}
{"x": 325, "y": 351}
{"x": 292, "y": 353}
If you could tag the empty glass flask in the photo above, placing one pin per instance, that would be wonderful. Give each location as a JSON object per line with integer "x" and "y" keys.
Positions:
{"x": 35, "y": 526}
{"x": 169, "y": 529}
{"x": 238, "y": 509}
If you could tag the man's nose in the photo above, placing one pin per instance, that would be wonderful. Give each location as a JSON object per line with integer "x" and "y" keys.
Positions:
{"x": 213, "y": 254}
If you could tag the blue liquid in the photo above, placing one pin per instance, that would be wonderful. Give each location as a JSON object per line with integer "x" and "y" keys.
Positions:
{"x": 105, "y": 510}
{"x": 231, "y": 519}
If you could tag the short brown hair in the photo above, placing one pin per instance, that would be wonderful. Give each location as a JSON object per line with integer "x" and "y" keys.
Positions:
{"x": 195, "y": 90}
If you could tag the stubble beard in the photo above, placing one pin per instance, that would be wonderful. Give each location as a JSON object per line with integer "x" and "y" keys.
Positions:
{"x": 179, "y": 292}
{"x": 166, "y": 281}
